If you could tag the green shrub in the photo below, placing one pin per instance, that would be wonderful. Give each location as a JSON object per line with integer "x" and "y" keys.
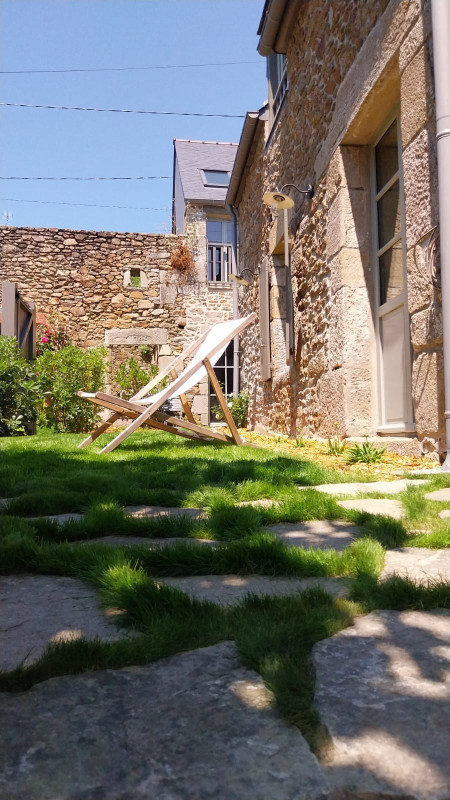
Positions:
{"x": 366, "y": 453}
{"x": 238, "y": 407}
{"x": 63, "y": 373}
{"x": 19, "y": 390}
{"x": 131, "y": 377}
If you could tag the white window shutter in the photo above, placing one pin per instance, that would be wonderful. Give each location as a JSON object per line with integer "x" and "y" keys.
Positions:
{"x": 264, "y": 321}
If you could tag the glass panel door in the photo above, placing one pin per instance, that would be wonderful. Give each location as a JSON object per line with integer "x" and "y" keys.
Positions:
{"x": 391, "y": 298}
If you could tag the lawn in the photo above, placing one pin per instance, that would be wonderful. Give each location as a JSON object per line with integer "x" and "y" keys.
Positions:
{"x": 47, "y": 474}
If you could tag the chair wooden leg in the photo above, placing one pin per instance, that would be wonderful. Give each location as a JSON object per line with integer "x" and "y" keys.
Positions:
{"x": 222, "y": 402}
{"x": 99, "y": 430}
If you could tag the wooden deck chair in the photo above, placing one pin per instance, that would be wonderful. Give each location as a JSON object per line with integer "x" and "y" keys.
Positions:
{"x": 143, "y": 409}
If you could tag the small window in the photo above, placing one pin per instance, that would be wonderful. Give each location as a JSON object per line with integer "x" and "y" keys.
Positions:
{"x": 215, "y": 177}
{"x": 135, "y": 278}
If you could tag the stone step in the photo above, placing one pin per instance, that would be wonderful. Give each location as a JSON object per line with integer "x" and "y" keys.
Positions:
{"x": 440, "y": 495}
{"x": 150, "y": 544}
{"x": 265, "y": 503}
{"x": 381, "y": 487}
{"x": 142, "y": 512}
{"x": 420, "y": 564}
{"x": 230, "y": 589}
{"x": 381, "y": 691}
{"x": 389, "y": 508}
{"x": 40, "y": 609}
{"x": 321, "y": 534}
{"x": 151, "y": 512}
{"x": 196, "y": 725}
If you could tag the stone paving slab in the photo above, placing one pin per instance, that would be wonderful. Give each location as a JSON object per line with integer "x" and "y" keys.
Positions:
{"x": 420, "y": 564}
{"x": 151, "y": 544}
{"x": 389, "y": 508}
{"x": 149, "y": 512}
{"x": 266, "y": 503}
{"x": 196, "y": 726}
{"x": 444, "y": 514}
{"x": 381, "y": 692}
{"x": 323, "y": 534}
{"x": 37, "y": 610}
{"x": 229, "y": 589}
{"x": 441, "y": 495}
{"x": 60, "y": 518}
{"x": 382, "y": 487}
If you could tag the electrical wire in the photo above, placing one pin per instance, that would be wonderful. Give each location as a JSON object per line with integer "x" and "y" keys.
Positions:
{"x": 64, "y": 178}
{"x": 87, "y": 205}
{"x": 125, "y": 111}
{"x": 122, "y": 69}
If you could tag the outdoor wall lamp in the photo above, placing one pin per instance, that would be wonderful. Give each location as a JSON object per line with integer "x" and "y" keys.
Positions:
{"x": 241, "y": 281}
{"x": 278, "y": 199}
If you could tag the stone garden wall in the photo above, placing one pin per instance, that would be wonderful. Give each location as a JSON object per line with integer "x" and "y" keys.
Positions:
{"x": 87, "y": 276}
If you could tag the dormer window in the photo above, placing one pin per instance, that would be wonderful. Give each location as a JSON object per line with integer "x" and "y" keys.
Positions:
{"x": 215, "y": 177}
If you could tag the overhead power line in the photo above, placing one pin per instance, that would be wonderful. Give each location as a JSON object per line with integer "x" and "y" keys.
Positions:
{"x": 68, "y": 178}
{"x": 122, "y": 69}
{"x": 125, "y": 111}
{"x": 87, "y": 205}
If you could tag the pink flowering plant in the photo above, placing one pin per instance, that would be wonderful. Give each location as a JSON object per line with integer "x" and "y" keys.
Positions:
{"x": 53, "y": 335}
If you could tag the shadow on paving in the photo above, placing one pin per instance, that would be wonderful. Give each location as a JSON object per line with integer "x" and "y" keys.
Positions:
{"x": 381, "y": 691}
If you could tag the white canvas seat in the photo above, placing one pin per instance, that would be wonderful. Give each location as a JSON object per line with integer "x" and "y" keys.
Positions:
{"x": 144, "y": 408}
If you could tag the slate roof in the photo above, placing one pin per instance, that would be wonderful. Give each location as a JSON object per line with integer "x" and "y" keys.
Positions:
{"x": 193, "y": 156}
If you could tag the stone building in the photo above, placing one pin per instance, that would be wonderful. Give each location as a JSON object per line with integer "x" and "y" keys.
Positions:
{"x": 346, "y": 283}
{"x": 201, "y": 175}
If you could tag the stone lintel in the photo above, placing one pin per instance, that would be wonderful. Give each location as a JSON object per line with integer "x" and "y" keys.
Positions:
{"x": 124, "y": 336}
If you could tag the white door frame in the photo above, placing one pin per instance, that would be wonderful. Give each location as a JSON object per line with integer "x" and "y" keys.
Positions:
{"x": 400, "y": 300}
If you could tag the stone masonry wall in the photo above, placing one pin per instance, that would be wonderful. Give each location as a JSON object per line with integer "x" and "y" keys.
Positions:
{"x": 350, "y": 65}
{"x": 81, "y": 274}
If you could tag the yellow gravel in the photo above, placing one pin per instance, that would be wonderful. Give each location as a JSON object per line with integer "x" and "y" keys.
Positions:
{"x": 317, "y": 451}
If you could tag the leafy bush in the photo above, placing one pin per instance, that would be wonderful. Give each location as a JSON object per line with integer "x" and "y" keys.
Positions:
{"x": 131, "y": 376}
{"x": 63, "y": 373}
{"x": 366, "y": 453}
{"x": 19, "y": 391}
{"x": 238, "y": 407}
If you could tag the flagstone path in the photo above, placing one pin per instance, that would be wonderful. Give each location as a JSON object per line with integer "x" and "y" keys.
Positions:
{"x": 229, "y": 589}
{"x": 36, "y": 610}
{"x": 194, "y": 726}
{"x": 382, "y": 692}
{"x": 322, "y": 534}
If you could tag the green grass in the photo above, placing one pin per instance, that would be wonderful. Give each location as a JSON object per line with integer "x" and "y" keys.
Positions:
{"x": 46, "y": 474}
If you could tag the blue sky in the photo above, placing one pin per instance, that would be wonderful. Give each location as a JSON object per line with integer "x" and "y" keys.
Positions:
{"x": 67, "y": 34}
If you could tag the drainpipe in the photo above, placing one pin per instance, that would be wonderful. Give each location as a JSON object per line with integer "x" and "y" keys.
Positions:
{"x": 234, "y": 271}
{"x": 440, "y": 10}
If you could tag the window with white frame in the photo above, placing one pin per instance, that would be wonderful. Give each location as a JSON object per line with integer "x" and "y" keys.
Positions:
{"x": 219, "y": 242}
{"x": 278, "y": 83}
{"x": 224, "y": 370}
